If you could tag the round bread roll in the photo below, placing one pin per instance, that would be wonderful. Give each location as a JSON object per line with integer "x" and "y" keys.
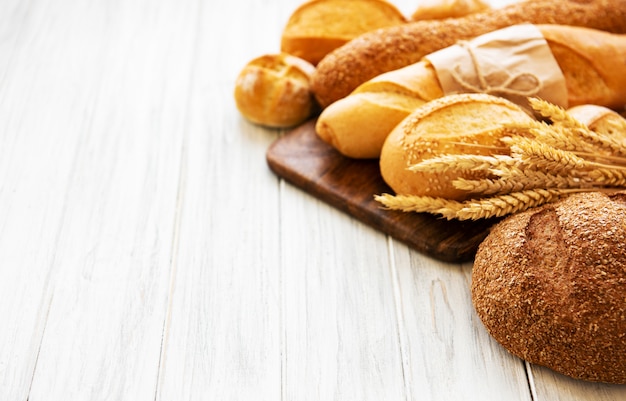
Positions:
{"x": 453, "y": 124}
{"x": 549, "y": 284}
{"x": 273, "y": 90}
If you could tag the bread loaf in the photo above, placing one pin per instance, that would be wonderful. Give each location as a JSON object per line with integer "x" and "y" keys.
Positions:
{"x": 600, "y": 119}
{"x": 549, "y": 285}
{"x": 319, "y": 26}
{"x": 274, "y": 90}
{"x": 387, "y": 49}
{"x": 448, "y": 125}
{"x": 440, "y": 9}
{"x": 593, "y": 63}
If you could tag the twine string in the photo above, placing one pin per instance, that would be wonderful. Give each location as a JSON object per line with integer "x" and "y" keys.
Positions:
{"x": 506, "y": 87}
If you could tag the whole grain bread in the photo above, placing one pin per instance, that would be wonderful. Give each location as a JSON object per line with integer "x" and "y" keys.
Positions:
{"x": 549, "y": 285}
{"x": 387, "y": 49}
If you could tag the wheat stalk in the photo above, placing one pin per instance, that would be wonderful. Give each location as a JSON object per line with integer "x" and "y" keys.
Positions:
{"x": 544, "y": 163}
{"x": 516, "y": 182}
{"x": 461, "y": 163}
{"x": 474, "y": 209}
{"x": 561, "y": 117}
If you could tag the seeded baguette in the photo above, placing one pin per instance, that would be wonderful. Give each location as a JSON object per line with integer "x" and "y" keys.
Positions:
{"x": 593, "y": 63}
{"x": 387, "y": 49}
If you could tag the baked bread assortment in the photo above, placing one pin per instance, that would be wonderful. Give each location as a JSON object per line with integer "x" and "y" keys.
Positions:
{"x": 549, "y": 281}
{"x": 274, "y": 90}
{"x": 358, "y": 124}
{"x": 549, "y": 284}
{"x": 319, "y": 26}
{"x": 387, "y": 49}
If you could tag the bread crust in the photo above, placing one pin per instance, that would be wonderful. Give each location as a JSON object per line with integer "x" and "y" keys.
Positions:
{"x": 319, "y": 26}
{"x": 549, "y": 285}
{"x": 274, "y": 90}
{"x": 448, "y": 125}
{"x": 387, "y": 49}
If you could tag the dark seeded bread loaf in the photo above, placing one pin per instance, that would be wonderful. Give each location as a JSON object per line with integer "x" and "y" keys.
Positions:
{"x": 549, "y": 285}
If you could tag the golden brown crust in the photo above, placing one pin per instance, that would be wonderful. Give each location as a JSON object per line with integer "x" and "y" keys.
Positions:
{"x": 382, "y": 50}
{"x": 600, "y": 119}
{"x": 440, "y": 9}
{"x": 274, "y": 90}
{"x": 319, "y": 26}
{"x": 449, "y": 125}
{"x": 549, "y": 284}
{"x": 593, "y": 63}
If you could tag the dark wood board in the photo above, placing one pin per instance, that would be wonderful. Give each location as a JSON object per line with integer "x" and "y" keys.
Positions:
{"x": 304, "y": 160}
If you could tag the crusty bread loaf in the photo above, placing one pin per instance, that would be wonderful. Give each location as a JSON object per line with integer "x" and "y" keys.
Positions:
{"x": 600, "y": 119}
{"x": 448, "y": 125}
{"x": 274, "y": 90}
{"x": 387, "y": 49}
{"x": 593, "y": 63}
{"x": 549, "y": 285}
{"x": 440, "y": 9}
{"x": 319, "y": 26}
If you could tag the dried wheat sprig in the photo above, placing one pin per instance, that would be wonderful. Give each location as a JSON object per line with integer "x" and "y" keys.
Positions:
{"x": 514, "y": 202}
{"x": 475, "y": 209}
{"x": 421, "y": 204}
{"x": 556, "y": 114}
{"x": 575, "y": 128}
{"x": 608, "y": 177}
{"x": 461, "y": 163}
{"x": 542, "y": 156}
{"x": 520, "y": 182}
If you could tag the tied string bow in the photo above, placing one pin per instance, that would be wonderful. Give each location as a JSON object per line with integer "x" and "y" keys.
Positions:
{"x": 510, "y": 85}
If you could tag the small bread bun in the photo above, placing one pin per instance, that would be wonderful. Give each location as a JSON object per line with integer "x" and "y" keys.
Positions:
{"x": 600, "y": 119}
{"x": 440, "y": 9}
{"x": 319, "y": 26}
{"x": 453, "y": 124}
{"x": 273, "y": 90}
{"x": 549, "y": 285}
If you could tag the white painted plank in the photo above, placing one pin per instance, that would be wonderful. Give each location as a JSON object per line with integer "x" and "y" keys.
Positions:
{"x": 117, "y": 75}
{"x": 548, "y": 385}
{"x": 35, "y": 165}
{"x": 222, "y": 337}
{"x": 340, "y": 327}
{"x": 448, "y": 354}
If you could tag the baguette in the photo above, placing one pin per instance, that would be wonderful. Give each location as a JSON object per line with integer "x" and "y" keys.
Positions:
{"x": 387, "y": 49}
{"x": 593, "y": 64}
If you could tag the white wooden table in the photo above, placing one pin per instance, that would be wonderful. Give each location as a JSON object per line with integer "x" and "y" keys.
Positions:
{"x": 148, "y": 253}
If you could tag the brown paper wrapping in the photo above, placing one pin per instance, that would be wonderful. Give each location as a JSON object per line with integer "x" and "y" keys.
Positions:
{"x": 514, "y": 63}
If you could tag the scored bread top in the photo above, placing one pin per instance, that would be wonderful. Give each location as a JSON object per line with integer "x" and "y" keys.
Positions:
{"x": 456, "y": 124}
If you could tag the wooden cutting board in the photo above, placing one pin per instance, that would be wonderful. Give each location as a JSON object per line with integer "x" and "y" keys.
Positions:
{"x": 307, "y": 162}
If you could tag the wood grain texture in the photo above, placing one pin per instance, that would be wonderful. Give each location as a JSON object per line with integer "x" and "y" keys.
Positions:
{"x": 304, "y": 160}
{"x": 147, "y": 252}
